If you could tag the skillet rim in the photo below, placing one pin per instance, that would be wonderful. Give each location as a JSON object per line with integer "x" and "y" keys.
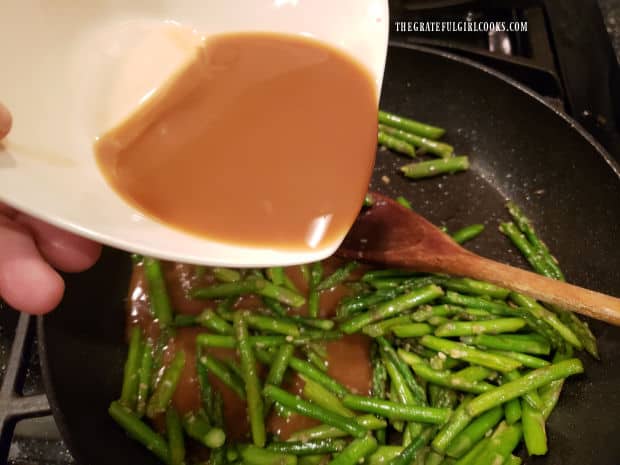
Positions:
{"x": 607, "y": 157}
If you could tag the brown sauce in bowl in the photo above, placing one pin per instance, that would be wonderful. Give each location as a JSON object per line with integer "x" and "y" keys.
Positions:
{"x": 262, "y": 139}
{"x": 348, "y": 358}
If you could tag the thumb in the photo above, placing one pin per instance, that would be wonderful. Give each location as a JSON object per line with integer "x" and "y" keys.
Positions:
{"x": 6, "y": 121}
{"x": 27, "y": 282}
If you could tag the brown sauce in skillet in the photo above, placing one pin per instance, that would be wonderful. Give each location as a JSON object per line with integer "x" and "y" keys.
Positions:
{"x": 348, "y": 358}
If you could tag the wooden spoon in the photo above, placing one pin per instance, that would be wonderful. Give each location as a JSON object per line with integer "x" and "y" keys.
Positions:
{"x": 393, "y": 235}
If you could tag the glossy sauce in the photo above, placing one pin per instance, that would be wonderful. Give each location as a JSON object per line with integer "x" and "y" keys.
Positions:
{"x": 348, "y": 358}
{"x": 262, "y": 139}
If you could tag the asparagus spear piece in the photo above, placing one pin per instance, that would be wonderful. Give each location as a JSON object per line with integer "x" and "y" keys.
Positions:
{"x": 271, "y": 324}
{"x": 530, "y": 397}
{"x": 311, "y": 410}
{"x": 356, "y": 451}
{"x": 474, "y": 432}
{"x": 226, "y": 275}
{"x": 316, "y": 275}
{"x": 471, "y": 456}
{"x": 131, "y": 375}
{"x": 442, "y": 397}
{"x": 534, "y": 430}
{"x": 384, "y": 455}
{"x": 387, "y": 273}
{"x": 512, "y": 411}
{"x": 392, "y": 307}
{"x": 433, "y": 458}
{"x": 473, "y": 286}
{"x": 316, "y": 393}
{"x": 368, "y": 200}
{"x": 224, "y": 373}
{"x": 158, "y": 294}
{"x": 218, "y": 455}
{"x": 319, "y": 446}
{"x": 549, "y": 268}
{"x": 411, "y": 330}
{"x": 181, "y": 321}
{"x": 396, "y": 411}
{"x": 503, "y": 309}
{"x": 315, "y": 357}
{"x": 253, "y": 455}
{"x": 144, "y": 378}
{"x": 139, "y": 431}
{"x": 410, "y": 452}
{"x": 467, "y": 233}
{"x": 460, "y": 351}
{"x": 229, "y": 342}
{"x": 382, "y": 327}
{"x": 349, "y": 306}
{"x": 427, "y": 312}
{"x": 197, "y": 427}
{"x": 550, "y": 394}
{"x": 410, "y": 125}
{"x": 531, "y": 254}
{"x": 440, "y": 149}
{"x": 369, "y": 422}
{"x": 206, "y": 390}
{"x": 404, "y": 396}
{"x": 390, "y": 354}
{"x": 250, "y": 377}
{"x": 526, "y": 227}
{"x": 527, "y": 360}
{"x": 532, "y": 380}
{"x": 250, "y": 286}
{"x": 442, "y": 378}
{"x": 276, "y": 275}
{"x": 470, "y": 328}
{"x": 430, "y": 168}
{"x": 404, "y": 202}
{"x": 527, "y": 343}
{"x": 337, "y": 276}
{"x": 176, "y": 443}
{"x": 211, "y": 320}
{"x": 457, "y": 423}
{"x": 473, "y": 373}
{"x": 500, "y": 446}
{"x": 158, "y": 403}
{"x": 396, "y": 144}
{"x": 277, "y": 369}
{"x": 379, "y": 384}
{"x": 309, "y": 371}
{"x": 542, "y": 313}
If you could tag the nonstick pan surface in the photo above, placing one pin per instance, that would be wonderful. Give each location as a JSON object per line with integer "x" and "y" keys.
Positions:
{"x": 520, "y": 148}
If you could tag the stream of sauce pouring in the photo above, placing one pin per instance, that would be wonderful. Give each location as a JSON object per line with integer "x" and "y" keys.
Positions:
{"x": 348, "y": 358}
{"x": 261, "y": 139}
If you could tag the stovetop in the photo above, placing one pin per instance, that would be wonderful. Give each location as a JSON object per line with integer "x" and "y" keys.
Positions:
{"x": 567, "y": 55}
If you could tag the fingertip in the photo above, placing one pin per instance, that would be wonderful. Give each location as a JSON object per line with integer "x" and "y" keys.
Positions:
{"x": 6, "y": 121}
{"x": 62, "y": 249}
{"x": 31, "y": 285}
{"x": 27, "y": 282}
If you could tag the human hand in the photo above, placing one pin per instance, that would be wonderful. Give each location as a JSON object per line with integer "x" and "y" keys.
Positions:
{"x": 30, "y": 249}
{"x": 5, "y": 121}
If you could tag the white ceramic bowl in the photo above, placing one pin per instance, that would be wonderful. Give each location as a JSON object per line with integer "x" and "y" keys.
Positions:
{"x": 57, "y": 59}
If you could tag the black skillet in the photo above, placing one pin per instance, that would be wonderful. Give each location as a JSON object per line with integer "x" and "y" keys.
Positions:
{"x": 521, "y": 148}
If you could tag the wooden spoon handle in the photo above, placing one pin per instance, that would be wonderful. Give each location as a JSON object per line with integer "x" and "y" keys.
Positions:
{"x": 593, "y": 304}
